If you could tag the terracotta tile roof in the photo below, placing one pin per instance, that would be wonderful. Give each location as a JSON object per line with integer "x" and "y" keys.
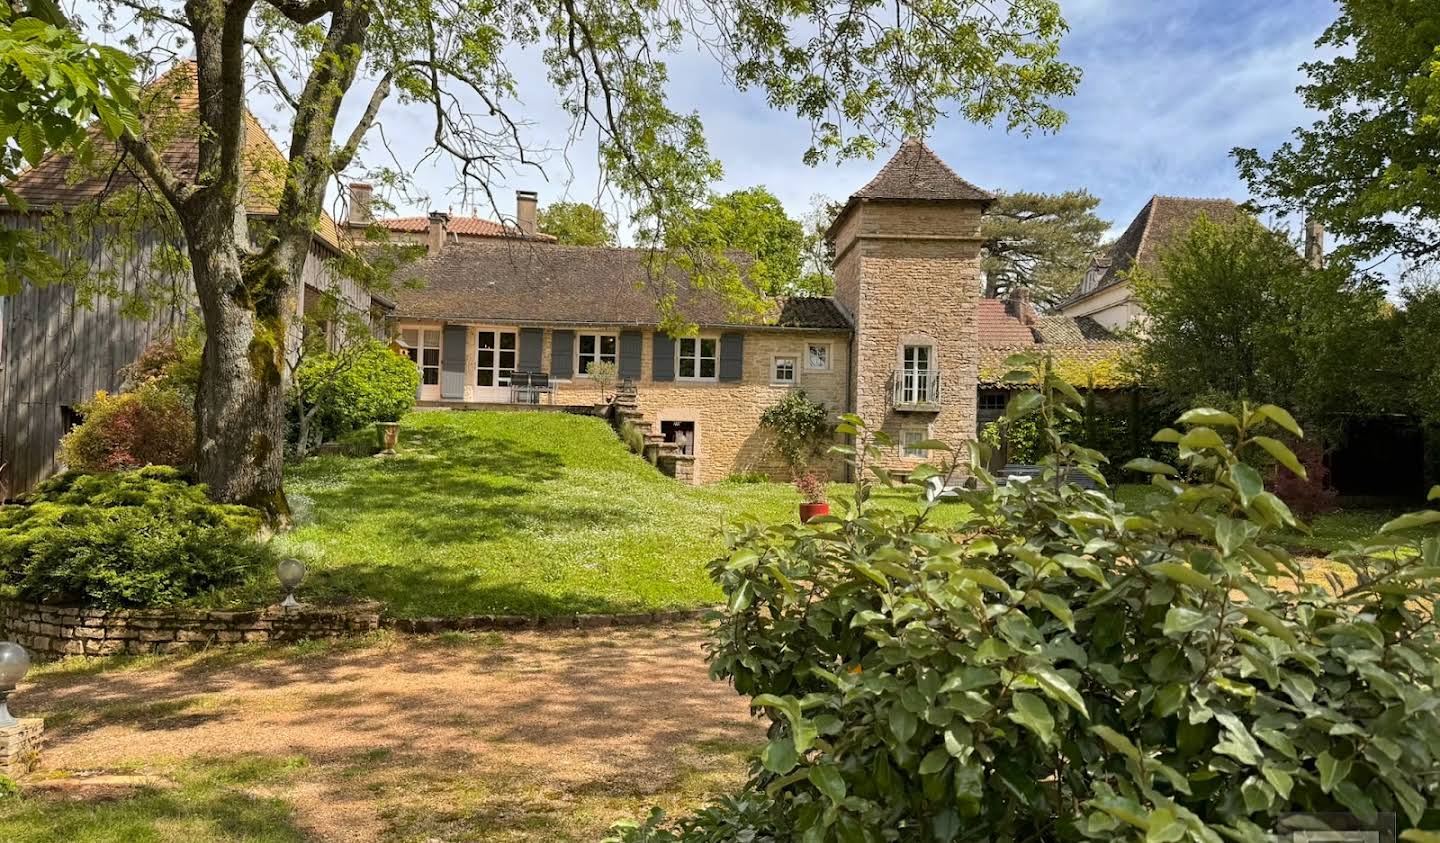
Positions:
{"x": 998, "y": 327}
{"x": 1081, "y": 344}
{"x": 916, "y": 172}
{"x": 1162, "y": 221}
{"x": 169, "y": 105}
{"x": 462, "y": 226}
{"x": 523, "y": 282}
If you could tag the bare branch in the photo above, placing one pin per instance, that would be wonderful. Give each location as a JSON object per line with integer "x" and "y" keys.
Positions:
{"x": 175, "y": 190}
{"x": 345, "y": 154}
{"x": 280, "y": 87}
{"x": 303, "y": 11}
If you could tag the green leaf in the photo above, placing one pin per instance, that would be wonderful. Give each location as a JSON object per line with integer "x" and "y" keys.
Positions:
{"x": 1057, "y": 607}
{"x": 1023, "y": 404}
{"x": 1281, "y": 454}
{"x": 1209, "y": 417}
{"x": 970, "y": 782}
{"x": 1117, "y": 742}
{"x": 1270, "y": 622}
{"x": 984, "y": 578}
{"x": 1409, "y": 521}
{"x": 1238, "y": 742}
{"x": 1279, "y": 779}
{"x": 1165, "y": 827}
{"x": 1282, "y": 417}
{"x": 902, "y": 723}
{"x": 1167, "y": 436}
{"x": 827, "y": 779}
{"x": 779, "y": 755}
{"x": 1031, "y": 712}
{"x": 1332, "y": 770}
{"x": 1200, "y": 438}
{"x": 1182, "y": 573}
{"x": 1230, "y": 534}
{"x": 1434, "y": 493}
{"x": 1057, "y": 688}
{"x": 1149, "y": 466}
{"x": 1181, "y": 621}
{"x": 1415, "y": 835}
{"x": 1247, "y": 482}
{"x": 934, "y": 761}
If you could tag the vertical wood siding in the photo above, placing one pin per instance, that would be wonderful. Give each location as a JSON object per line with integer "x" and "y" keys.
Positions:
{"x": 57, "y": 351}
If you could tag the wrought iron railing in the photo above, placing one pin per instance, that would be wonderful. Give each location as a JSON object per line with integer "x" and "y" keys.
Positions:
{"x": 916, "y": 389}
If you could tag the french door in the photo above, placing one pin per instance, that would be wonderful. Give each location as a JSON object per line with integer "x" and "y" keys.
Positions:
{"x": 494, "y": 361}
{"x": 916, "y": 386}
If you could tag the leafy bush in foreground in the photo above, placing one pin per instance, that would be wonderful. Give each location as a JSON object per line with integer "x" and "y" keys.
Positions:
{"x": 1039, "y": 663}
{"x": 135, "y": 538}
{"x": 367, "y": 384}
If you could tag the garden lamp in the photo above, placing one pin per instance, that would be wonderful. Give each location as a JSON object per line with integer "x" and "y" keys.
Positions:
{"x": 14, "y": 663}
{"x": 290, "y": 572}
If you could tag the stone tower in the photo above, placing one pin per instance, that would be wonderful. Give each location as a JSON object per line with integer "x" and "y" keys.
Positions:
{"x": 907, "y": 268}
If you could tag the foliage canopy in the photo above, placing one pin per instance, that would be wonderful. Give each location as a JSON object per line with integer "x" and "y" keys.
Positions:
{"x": 1039, "y": 242}
{"x": 577, "y": 224}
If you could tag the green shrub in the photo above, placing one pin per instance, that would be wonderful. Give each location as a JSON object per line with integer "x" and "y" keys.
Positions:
{"x": 1036, "y": 662}
{"x": 152, "y": 425}
{"x": 802, "y": 430}
{"x": 633, "y": 438}
{"x": 134, "y": 538}
{"x": 357, "y": 388}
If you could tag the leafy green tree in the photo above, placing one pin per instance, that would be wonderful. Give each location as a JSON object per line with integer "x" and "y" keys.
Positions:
{"x": 817, "y": 253}
{"x": 1367, "y": 168}
{"x": 577, "y": 224}
{"x": 1039, "y": 242}
{"x": 1235, "y": 313}
{"x": 54, "y": 83}
{"x": 1419, "y": 348}
{"x": 857, "y": 85}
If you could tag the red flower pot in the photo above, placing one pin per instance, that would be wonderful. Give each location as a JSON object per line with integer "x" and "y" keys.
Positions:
{"x": 813, "y": 510}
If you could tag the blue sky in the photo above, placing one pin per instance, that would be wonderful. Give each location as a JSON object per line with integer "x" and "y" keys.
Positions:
{"x": 1169, "y": 87}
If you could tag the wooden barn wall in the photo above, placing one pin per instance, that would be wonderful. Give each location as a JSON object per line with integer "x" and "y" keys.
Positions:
{"x": 57, "y": 352}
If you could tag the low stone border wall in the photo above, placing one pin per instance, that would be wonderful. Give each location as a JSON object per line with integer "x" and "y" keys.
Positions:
{"x": 20, "y": 747}
{"x": 521, "y": 622}
{"x": 54, "y": 631}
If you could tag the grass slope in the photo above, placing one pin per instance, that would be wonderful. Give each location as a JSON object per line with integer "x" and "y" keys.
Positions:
{"x": 534, "y": 513}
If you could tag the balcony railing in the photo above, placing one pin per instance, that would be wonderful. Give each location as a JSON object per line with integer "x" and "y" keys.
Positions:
{"x": 916, "y": 389}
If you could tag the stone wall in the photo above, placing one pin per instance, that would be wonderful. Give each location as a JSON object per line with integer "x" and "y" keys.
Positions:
{"x": 54, "y": 631}
{"x": 913, "y": 270}
{"x": 20, "y": 747}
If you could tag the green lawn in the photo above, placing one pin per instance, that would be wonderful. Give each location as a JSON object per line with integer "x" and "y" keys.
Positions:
{"x": 534, "y": 513}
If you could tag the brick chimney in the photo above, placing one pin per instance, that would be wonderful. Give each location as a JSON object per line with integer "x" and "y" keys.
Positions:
{"x": 359, "y": 213}
{"x": 1314, "y": 243}
{"x": 525, "y": 202}
{"x": 439, "y": 222}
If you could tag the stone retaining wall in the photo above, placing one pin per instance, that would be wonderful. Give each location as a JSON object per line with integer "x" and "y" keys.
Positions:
{"x": 53, "y": 631}
{"x": 20, "y": 747}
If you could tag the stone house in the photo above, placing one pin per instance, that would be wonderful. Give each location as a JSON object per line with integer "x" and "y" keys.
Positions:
{"x": 1104, "y": 294}
{"x": 901, "y": 343}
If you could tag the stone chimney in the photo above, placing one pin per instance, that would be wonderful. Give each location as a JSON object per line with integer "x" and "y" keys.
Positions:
{"x": 525, "y": 202}
{"x": 1017, "y": 304}
{"x": 361, "y": 195}
{"x": 1314, "y": 243}
{"x": 439, "y": 222}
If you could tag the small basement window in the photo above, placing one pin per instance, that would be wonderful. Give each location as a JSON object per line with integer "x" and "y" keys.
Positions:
{"x": 681, "y": 433}
{"x": 910, "y": 438}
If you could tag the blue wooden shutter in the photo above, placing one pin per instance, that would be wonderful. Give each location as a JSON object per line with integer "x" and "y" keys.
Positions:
{"x": 632, "y": 345}
{"x": 562, "y": 353}
{"x": 532, "y": 340}
{"x": 732, "y": 357}
{"x": 452, "y": 361}
{"x": 662, "y": 358}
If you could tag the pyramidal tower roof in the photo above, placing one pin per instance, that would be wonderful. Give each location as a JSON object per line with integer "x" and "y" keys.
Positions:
{"x": 917, "y": 173}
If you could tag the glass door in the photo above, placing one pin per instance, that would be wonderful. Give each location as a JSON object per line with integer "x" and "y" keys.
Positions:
{"x": 494, "y": 361}
{"x": 915, "y": 386}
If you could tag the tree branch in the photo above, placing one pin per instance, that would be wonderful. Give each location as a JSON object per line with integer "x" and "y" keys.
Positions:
{"x": 175, "y": 190}
{"x": 303, "y": 11}
{"x": 346, "y": 153}
{"x": 275, "y": 77}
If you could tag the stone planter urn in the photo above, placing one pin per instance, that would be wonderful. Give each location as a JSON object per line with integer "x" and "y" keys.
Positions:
{"x": 389, "y": 435}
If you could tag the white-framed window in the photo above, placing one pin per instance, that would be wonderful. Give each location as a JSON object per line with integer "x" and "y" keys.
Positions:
{"x": 910, "y": 438}
{"x": 783, "y": 370}
{"x": 697, "y": 358}
{"x": 596, "y": 348}
{"x": 430, "y": 357}
{"x": 817, "y": 357}
{"x": 917, "y": 366}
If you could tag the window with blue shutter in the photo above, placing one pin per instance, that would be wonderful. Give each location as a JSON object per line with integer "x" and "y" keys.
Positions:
{"x": 732, "y": 357}
{"x": 532, "y": 342}
{"x": 452, "y": 361}
{"x": 662, "y": 363}
{"x": 632, "y": 344}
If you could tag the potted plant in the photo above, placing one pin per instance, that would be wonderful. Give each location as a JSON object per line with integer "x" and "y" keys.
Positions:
{"x": 812, "y": 491}
{"x": 603, "y": 375}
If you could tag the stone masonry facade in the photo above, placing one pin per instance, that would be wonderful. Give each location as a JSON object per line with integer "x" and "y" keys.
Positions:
{"x": 909, "y": 274}
{"x": 55, "y": 631}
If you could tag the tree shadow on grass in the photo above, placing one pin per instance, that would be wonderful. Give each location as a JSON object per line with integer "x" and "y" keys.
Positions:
{"x": 196, "y": 812}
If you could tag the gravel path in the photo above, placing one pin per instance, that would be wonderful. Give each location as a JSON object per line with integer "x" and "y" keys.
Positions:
{"x": 455, "y": 738}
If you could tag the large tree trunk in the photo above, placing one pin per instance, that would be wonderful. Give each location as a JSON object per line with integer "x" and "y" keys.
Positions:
{"x": 239, "y": 406}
